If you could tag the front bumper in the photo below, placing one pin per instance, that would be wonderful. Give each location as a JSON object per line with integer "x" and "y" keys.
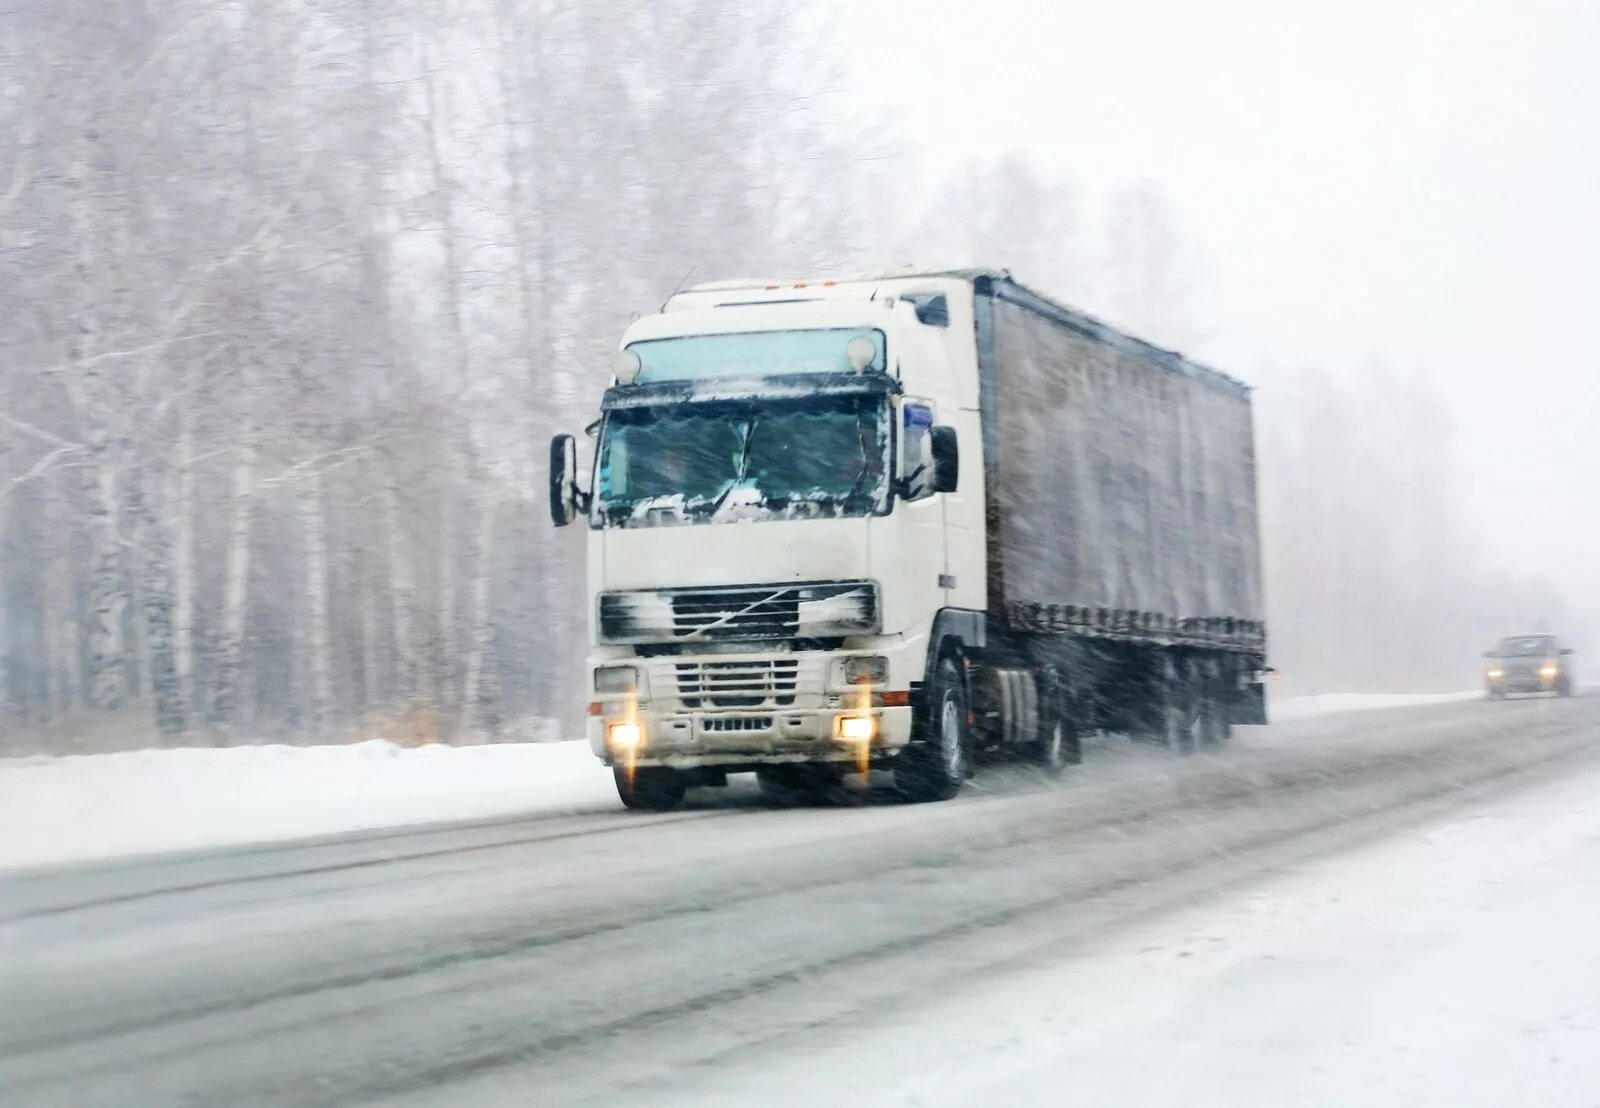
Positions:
{"x": 728, "y": 710}
{"x": 695, "y": 739}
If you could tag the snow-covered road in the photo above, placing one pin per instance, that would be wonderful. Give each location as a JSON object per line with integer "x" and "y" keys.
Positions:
{"x": 1391, "y": 906}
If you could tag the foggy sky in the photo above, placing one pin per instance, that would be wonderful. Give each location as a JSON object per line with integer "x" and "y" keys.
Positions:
{"x": 1415, "y": 180}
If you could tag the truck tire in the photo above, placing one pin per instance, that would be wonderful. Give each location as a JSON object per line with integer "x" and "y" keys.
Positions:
{"x": 651, "y": 788}
{"x": 1181, "y": 721}
{"x": 936, "y": 767}
{"x": 1057, "y": 750}
{"x": 1059, "y": 745}
{"x": 1216, "y": 723}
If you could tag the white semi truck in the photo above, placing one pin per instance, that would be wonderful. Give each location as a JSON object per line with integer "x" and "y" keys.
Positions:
{"x": 907, "y": 523}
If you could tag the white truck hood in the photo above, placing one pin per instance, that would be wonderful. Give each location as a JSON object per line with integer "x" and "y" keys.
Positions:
{"x": 745, "y": 553}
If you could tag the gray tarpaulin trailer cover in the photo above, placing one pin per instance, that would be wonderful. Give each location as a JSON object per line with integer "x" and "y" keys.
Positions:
{"x": 1120, "y": 480}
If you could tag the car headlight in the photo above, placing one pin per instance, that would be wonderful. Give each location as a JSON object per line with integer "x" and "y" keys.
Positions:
{"x": 616, "y": 679}
{"x": 862, "y": 669}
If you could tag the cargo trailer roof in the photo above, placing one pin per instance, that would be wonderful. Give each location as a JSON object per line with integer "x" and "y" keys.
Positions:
{"x": 998, "y": 283}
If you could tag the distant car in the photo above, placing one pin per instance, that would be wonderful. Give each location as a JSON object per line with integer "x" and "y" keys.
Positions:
{"x": 1528, "y": 664}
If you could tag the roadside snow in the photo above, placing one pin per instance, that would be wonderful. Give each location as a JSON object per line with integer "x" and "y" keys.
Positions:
{"x": 106, "y": 805}
{"x": 1455, "y": 965}
{"x": 1304, "y": 707}
{"x": 109, "y": 805}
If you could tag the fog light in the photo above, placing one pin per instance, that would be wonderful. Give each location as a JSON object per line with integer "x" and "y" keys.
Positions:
{"x": 625, "y": 735}
{"x": 857, "y": 729}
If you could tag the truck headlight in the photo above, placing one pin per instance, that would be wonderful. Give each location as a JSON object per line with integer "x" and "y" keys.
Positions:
{"x": 857, "y": 729}
{"x": 616, "y": 679}
{"x": 625, "y": 736}
{"x": 1548, "y": 671}
{"x": 1495, "y": 674}
{"x": 862, "y": 669}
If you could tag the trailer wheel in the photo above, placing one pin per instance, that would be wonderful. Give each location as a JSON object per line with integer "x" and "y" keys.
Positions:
{"x": 936, "y": 767}
{"x": 650, "y": 788}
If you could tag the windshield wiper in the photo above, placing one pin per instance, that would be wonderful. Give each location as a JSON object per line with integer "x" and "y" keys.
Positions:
{"x": 739, "y": 470}
{"x": 861, "y": 478}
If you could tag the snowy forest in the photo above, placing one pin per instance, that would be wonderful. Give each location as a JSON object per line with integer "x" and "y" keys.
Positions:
{"x": 297, "y": 290}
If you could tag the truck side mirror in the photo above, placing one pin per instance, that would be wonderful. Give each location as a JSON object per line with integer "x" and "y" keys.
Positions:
{"x": 1566, "y": 650}
{"x": 564, "y": 495}
{"x": 946, "y": 459}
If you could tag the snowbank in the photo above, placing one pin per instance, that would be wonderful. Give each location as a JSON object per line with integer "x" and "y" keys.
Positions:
{"x": 1304, "y": 707}
{"x": 104, "y": 805}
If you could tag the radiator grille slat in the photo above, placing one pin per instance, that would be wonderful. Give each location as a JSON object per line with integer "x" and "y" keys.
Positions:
{"x": 759, "y": 683}
{"x": 748, "y": 612}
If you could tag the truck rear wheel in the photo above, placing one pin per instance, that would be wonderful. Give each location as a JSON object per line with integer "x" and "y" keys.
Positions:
{"x": 1182, "y": 722}
{"x": 936, "y": 767}
{"x": 1059, "y": 744}
{"x": 1057, "y": 750}
{"x": 1216, "y": 720}
{"x": 650, "y": 788}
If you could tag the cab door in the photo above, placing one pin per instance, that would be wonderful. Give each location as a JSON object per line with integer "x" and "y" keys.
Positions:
{"x": 908, "y": 545}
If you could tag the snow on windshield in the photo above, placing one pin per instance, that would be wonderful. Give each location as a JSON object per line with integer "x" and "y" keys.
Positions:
{"x": 760, "y": 459}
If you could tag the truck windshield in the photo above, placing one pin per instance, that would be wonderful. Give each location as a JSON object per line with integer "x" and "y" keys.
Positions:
{"x": 800, "y": 458}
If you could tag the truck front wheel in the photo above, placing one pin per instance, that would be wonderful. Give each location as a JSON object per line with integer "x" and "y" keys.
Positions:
{"x": 651, "y": 788}
{"x": 936, "y": 767}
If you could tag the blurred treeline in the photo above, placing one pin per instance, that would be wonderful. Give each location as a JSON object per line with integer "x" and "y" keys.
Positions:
{"x": 295, "y": 292}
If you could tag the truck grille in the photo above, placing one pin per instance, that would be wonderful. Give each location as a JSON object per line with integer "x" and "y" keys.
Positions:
{"x": 749, "y": 612}
{"x": 753, "y": 684}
